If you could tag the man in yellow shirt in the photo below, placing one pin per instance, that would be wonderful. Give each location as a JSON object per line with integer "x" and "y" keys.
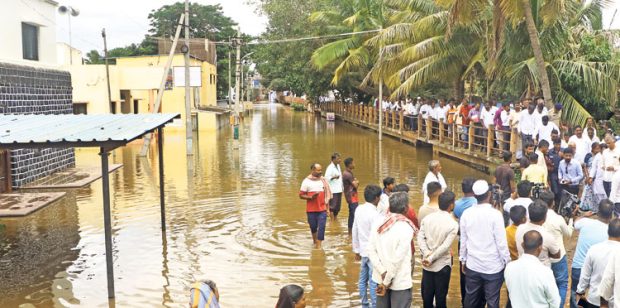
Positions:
{"x": 535, "y": 173}
{"x": 517, "y": 215}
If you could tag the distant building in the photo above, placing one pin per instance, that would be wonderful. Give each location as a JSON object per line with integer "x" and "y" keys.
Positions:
{"x": 135, "y": 81}
{"x": 31, "y": 83}
{"x": 28, "y": 32}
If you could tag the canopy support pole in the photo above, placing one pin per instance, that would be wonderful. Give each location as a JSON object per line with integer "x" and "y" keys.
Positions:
{"x": 162, "y": 202}
{"x": 107, "y": 221}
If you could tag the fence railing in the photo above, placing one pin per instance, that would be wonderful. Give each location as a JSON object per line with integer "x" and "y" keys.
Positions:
{"x": 473, "y": 138}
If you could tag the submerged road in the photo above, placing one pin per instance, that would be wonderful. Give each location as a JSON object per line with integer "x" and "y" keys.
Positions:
{"x": 233, "y": 217}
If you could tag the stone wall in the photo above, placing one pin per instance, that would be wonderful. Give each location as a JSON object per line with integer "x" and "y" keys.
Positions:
{"x": 31, "y": 90}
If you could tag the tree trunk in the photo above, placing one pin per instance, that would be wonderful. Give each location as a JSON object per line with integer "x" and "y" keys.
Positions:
{"x": 538, "y": 56}
{"x": 458, "y": 86}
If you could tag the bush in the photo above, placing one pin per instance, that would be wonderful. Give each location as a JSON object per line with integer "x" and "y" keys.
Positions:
{"x": 298, "y": 107}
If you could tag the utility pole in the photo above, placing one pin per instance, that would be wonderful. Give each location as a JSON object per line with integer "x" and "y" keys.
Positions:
{"x": 380, "y": 109}
{"x": 238, "y": 75}
{"x": 229, "y": 73}
{"x": 162, "y": 84}
{"x": 237, "y": 113}
{"x": 380, "y": 97}
{"x": 107, "y": 69}
{"x": 242, "y": 80}
{"x": 188, "y": 111}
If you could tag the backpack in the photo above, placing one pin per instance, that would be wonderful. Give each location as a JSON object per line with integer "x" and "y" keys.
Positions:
{"x": 201, "y": 296}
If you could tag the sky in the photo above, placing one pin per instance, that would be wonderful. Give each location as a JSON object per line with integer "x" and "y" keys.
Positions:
{"x": 126, "y": 20}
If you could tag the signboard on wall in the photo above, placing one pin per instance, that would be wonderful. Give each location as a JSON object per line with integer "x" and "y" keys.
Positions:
{"x": 195, "y": 79}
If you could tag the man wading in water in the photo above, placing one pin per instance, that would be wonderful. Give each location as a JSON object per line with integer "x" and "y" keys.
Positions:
{"x": 315, "y": 190}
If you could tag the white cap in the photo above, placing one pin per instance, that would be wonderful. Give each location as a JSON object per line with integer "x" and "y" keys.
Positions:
{"x": 480, "y": 187}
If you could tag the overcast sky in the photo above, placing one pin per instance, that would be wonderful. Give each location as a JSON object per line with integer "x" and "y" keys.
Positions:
{"x": 126, "y": 20}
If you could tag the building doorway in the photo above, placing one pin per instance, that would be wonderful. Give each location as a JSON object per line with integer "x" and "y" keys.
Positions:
{"x": 5, "y": 178}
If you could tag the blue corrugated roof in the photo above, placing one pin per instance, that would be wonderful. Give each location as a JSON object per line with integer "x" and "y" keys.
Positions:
{"x": 78, "y": 129}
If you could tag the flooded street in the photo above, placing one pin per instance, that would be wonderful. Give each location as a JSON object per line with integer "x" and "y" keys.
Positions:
{"x": 234, "y": 217}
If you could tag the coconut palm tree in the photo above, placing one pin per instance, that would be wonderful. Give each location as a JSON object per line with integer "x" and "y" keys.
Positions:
{"x": 352, "y": 54}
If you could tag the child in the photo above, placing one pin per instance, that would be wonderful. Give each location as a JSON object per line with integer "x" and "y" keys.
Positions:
{"x": 517, "y": 215}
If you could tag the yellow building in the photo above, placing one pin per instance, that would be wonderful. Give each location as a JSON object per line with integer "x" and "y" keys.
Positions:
{"x": 135, "y": 81}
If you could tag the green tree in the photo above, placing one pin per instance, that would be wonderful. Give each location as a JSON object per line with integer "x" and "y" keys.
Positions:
{"x": 93, "y": 57}
{"x": 286, "y": 65}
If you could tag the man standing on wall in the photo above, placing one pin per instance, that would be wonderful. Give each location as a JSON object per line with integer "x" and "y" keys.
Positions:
{"x": 315, "y": 190}
{"x": 350, "y": 189}
{"x": 334, "y": 177}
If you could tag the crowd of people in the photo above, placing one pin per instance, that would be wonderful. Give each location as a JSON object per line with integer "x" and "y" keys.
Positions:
{"x": 512, "y": 231}
{"x": 529, "y": 118}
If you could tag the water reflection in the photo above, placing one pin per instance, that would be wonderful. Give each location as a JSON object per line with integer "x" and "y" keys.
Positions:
{"x": 233, "y": 216}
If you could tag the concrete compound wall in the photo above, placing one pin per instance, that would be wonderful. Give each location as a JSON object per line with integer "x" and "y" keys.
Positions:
{"x": 31, "y": 90}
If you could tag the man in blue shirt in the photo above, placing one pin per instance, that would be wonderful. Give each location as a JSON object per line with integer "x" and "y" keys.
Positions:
{"x": 591, "y": 231}
{"x": 570, "y": 173}
{"x": 468, "y": 199}
{"x": 460, "y": 206}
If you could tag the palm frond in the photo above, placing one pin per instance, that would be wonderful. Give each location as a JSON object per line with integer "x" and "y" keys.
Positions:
{"x": 602, "y": 85}
{"x": 573, "y": 112}
{"x": 333, "y": 51}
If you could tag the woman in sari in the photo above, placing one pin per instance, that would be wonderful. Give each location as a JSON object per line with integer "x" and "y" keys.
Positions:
{"x": 591, "y": 196}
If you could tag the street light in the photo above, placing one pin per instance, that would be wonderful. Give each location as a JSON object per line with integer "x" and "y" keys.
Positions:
{"x": 70, "y": 11}
{"x": 243, "y": 80}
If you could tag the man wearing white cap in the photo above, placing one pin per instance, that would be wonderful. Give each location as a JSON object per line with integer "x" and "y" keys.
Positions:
{"x": 484, "y": 249}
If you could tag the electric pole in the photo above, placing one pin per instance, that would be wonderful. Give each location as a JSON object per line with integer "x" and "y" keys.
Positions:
{"x": 380, "y": 97}
{"x": 188, "y": 111}
{"x": 107, "y": 69}
{"x": 229, "y": 72}
{"x": 238, "y": 75}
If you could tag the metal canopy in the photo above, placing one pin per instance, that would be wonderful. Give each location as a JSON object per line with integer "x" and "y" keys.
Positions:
{"x": 106, "y": 131}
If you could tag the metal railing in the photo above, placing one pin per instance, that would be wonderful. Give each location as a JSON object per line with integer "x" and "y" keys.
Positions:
{"x": 473, "y": 138}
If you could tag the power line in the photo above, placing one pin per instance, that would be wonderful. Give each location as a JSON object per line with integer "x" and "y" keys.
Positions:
{"x": 311, "y": 37}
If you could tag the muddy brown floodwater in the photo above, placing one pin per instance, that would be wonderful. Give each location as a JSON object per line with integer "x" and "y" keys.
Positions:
{"x": 234, "y": 217}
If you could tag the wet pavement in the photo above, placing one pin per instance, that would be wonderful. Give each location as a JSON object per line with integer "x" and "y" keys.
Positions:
{"x": 234, "y": 216}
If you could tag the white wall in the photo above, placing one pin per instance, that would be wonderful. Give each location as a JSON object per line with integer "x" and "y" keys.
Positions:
{"x": 65, "y": 54}
{"x": 38, "y": 12}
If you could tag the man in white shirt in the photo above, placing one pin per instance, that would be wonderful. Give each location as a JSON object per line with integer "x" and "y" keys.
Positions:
{"x": 543, "y": 132}
{"x": 541, "y": 110}
{"x": 437, "y": 233}
{"x": 504, "y": 117}
{"x": 524, "y": 191}
{"x": 445, "y": 107}
{"x": 425, "y": 110}
{"x": 390, "y": 254}
{"x": 487, "y": 115}
{"x": 582, "y": 144}
{"x": 610, "y": 162}
{"x": 409, "y": 114}
{"x": 333, "y": 174}
{"x": 537, "y": 212}
{"x": 527, "y": 124}
{"x": 433, "y": 175}
{"x": 366, "y": 216}
{"x": 614, "y": 195}
{"x": 484, "y": 250}
{"x": 597, "y": 259}
{"x": 530, "y": 283}
{"x": 557, "y": 227}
